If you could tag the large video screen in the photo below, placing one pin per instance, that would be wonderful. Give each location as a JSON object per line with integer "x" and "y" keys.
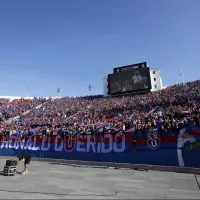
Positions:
{"x": 129, "y": 81}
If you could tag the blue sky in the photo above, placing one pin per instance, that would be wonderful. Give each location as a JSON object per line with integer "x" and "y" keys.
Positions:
{"x": 73, "y": 43}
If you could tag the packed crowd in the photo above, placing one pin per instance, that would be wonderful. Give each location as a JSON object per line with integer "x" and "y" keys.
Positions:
{"x": 12, "y": 108}
{"x": 167, "y": 110}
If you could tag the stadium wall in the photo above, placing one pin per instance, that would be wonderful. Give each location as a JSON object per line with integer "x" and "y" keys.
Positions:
{"x": 105, "y": 87}
{"x": 156, "y": 81}
{"x": 19, "y": 97}
{"x": 180, "y": 148}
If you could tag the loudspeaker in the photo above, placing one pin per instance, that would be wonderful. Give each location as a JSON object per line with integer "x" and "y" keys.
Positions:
{"x": 9, "y": 170}
{"x": 11, "y": 163}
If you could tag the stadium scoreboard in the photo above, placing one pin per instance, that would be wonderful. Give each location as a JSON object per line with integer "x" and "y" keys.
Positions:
{"x": 130, "y": 67}
{"x": 130, "y": 78}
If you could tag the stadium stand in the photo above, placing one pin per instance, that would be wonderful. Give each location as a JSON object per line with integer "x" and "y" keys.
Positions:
{"x": 168, "y": 109}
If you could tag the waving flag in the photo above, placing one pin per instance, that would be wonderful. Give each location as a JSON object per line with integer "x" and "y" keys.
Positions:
{"x": 150, "y": 112}
{"x": 90, "y": 87}
{"x": 180, "y": 72}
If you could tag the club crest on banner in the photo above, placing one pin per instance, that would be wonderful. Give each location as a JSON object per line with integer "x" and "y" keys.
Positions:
{"x": 153, "y": 140}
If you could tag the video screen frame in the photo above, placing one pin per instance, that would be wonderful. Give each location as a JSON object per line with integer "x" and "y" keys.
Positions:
{"x": 129, "y": 67}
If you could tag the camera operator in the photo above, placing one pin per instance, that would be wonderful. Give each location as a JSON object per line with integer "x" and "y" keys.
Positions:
{"x": 26, "y": 158}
